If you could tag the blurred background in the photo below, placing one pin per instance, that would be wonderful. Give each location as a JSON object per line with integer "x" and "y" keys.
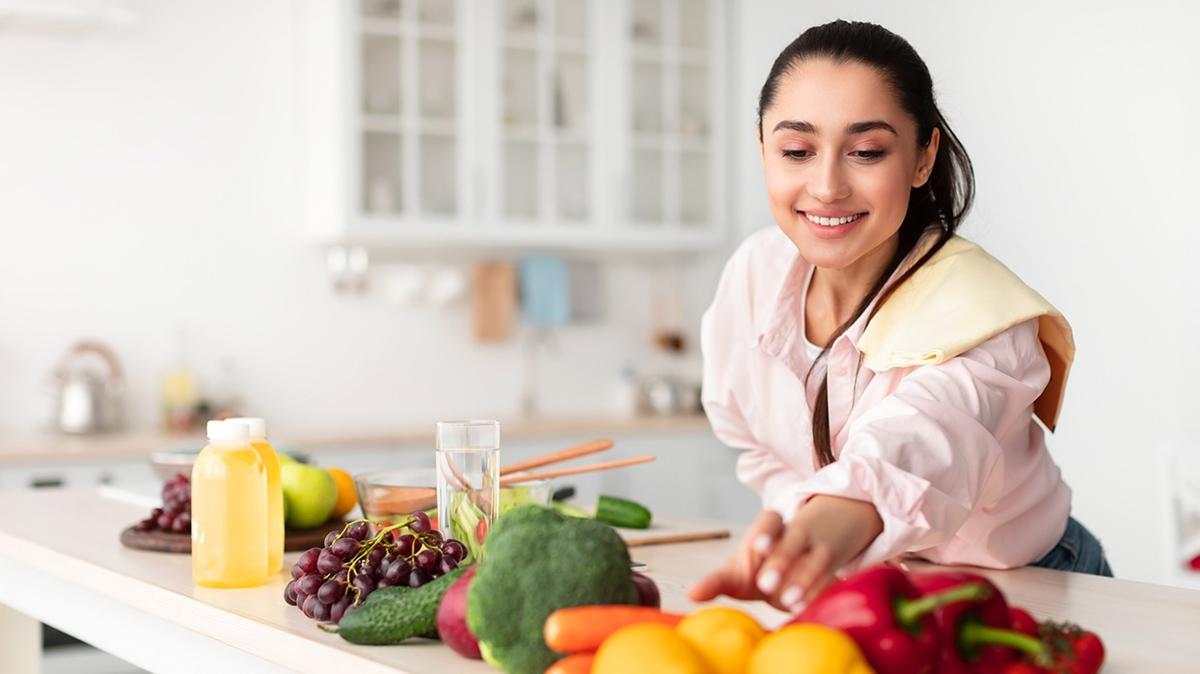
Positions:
{"x": 356, "y": 218}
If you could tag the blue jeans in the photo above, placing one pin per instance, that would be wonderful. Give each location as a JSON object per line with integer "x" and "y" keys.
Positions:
{"x": 1078, "y": 551}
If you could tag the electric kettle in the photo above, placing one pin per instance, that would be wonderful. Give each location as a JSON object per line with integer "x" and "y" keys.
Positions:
{"x": 88, "y": 401}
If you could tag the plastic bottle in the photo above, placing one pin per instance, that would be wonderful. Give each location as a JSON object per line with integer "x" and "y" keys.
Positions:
{"x": 229, "y": 510}
{"x": 258, "y": 439}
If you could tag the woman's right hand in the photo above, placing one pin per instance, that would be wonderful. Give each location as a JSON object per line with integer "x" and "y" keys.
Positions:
{"x": 737, "y": 577}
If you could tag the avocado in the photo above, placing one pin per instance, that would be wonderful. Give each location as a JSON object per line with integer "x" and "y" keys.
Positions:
{"x": 394, "y": 614}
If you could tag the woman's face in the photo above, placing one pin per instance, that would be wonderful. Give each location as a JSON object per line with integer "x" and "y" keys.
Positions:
{"x": 840, "y": 155}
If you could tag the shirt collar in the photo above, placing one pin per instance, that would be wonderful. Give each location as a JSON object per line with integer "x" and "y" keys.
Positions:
{"x": 780, "y": 332}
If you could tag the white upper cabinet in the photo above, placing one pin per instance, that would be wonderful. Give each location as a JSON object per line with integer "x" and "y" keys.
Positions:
{"x": 584, "y": 124}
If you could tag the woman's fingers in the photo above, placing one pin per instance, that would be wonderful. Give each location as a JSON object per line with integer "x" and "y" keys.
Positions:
{"x": 806, "y": 573}
{"x": 736, "y": 578}
{"x": 710, "y": 586}
{"x": 762, "y": 536}
{"x": 787, "y": 550}
{"x": 731, "y": 580}
{"x": 763, "y": 532}
{"x": 819, "y": 586}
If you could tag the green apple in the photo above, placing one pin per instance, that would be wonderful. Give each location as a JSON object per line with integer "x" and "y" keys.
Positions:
{"x": 309, "y": 494}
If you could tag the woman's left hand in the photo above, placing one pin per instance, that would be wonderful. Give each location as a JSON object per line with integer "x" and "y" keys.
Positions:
{"x": 801, "y": 559}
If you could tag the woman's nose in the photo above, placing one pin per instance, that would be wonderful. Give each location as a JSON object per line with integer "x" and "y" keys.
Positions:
{"x": 828, "y": 183}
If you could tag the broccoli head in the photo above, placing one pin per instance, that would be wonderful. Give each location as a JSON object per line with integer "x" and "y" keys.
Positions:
{"x": 535, "y": 562}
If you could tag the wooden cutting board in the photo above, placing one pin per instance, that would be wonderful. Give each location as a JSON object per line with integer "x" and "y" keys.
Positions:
{"x": 166, "y": 541}
{"x": 493, "y": 301}
{"x": 664, "y": 530}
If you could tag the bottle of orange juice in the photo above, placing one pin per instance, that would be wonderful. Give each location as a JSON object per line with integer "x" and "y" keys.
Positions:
{"x": 258, "y": 440}
{"x": 230, "y": 531}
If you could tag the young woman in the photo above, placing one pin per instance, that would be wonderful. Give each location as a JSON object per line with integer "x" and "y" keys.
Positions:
{"x": 881, "y": 373}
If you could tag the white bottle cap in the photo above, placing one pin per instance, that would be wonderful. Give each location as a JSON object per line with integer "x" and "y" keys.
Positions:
{"x": 227, "y": 432}
{"x": 256, "y": 425}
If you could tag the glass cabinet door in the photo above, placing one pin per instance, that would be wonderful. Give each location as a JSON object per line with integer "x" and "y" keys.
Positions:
{"x": 670, "y": 112}
{"x": 408, "y": 81}
{"x": 544, "y": 78}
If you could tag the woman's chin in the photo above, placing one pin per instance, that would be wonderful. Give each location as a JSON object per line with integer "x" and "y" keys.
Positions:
{"x": 824, "y": 253}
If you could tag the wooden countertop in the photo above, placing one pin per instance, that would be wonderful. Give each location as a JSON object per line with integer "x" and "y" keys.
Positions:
{"x": 62, "y": 563}
{"x": 42, "y": 448}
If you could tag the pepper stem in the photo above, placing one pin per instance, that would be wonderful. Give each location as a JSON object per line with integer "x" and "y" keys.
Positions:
{"x": 972, "y": 635}
{"x": 909, "y": 612}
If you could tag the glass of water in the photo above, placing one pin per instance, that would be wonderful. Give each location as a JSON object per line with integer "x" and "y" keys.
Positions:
{"x": 468, "y": 480}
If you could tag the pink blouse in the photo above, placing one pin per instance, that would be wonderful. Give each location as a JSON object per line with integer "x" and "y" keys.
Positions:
{"x": 949, "y": 454}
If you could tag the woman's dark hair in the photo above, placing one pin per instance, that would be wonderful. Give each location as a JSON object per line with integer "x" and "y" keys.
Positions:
{"x": 939, "y": 204}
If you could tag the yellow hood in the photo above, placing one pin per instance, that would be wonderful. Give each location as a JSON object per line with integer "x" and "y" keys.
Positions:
{"x": 959, "y": 299}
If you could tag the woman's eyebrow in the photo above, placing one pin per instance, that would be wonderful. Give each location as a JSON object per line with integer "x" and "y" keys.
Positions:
{"x": 857, "y": 127}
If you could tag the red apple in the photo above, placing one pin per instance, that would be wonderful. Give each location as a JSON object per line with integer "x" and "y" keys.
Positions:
{"x": 452, "y": 618}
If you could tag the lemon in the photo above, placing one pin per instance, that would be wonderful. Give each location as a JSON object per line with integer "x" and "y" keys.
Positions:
{"x": 346, "y": 496}
{"x": 648, "y": 648}
{"x": 723, "y": 636}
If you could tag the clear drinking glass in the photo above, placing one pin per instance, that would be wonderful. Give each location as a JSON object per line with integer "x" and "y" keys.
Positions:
{"x": 468, "y": 480}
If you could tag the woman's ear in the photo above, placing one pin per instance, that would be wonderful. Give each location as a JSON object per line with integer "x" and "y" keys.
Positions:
{"x": 926, "y": 158}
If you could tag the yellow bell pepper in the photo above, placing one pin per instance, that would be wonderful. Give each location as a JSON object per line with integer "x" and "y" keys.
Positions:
{"x": 723, "y": 636}
{"x": 808, "y": 648}
{"x": 648, "y": 648}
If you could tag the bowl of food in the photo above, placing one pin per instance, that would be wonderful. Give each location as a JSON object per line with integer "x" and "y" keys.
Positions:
{"x": 536, "y": 492}
{"x": 392, "y": 495}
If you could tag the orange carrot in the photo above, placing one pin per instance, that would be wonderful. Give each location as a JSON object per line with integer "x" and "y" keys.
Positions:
{"x": 580, "y": 663}
{"x": 583, "y": 628}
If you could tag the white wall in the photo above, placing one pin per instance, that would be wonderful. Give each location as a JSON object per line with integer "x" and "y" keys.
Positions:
{"x": 148, "y": 178}
{"x": 1080, "y": 119}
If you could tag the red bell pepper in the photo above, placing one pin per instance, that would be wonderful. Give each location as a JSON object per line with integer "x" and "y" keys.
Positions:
{"x": 1022, "y": 621}
{"x": 1066, "y": 648}
{"x": 976, "y": 632}
{"x": 885, "y": 614}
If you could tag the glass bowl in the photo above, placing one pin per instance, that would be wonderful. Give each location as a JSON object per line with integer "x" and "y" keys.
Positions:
{"x": 391, "y": 495}
{"x": 534, "y": 491}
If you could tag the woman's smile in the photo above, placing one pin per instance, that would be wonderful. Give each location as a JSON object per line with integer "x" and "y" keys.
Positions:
{"x": 825, "y": 225}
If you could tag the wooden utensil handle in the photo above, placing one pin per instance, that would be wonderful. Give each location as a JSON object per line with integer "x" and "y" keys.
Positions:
{"x": 562, "y": 455}
{"x": 607, "y": 465}
{"x": 634, "y": 542}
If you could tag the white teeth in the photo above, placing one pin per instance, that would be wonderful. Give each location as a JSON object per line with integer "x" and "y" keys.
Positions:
{"x": 832, "y": 222}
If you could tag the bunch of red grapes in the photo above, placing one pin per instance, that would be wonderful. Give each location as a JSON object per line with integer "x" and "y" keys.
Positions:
{"x": 327, "y": 581}
{"x": 175, "y": 515}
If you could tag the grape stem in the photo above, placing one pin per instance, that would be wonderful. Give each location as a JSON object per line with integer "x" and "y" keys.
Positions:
{"x": 365, "y": 550}
{"x": 424, "y": 539}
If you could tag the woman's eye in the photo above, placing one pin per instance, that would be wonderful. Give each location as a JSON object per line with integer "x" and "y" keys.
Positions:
{"x": 795, "y": 154}
{"x": 868, "y": 154}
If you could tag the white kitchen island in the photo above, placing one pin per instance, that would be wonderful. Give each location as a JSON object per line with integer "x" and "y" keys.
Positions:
{"x": 61, "y": 563}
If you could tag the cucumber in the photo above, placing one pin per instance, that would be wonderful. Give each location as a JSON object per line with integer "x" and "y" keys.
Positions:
{"x": 621, "y": 512}
{"x": 394, "y": 614}
{"x": 568, "y": 510}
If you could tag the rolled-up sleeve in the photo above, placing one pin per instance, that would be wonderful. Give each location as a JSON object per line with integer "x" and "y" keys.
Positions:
{"x": 727, "y": 339}
{"x": 725, "y": 331}
{"x": 925, "y": 454}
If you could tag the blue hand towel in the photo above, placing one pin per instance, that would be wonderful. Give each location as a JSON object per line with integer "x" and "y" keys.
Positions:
{"x": 545, "y": 293}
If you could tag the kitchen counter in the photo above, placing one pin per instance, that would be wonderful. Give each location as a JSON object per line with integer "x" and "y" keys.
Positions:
{"x": 61, "y": 563}
{"x": 50, "y": 447}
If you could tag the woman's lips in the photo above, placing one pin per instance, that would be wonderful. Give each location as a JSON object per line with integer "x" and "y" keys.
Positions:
{"x": 832, "y": 231}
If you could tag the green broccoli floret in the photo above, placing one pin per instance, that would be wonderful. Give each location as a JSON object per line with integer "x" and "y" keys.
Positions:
{"x": 535, "y": 561}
